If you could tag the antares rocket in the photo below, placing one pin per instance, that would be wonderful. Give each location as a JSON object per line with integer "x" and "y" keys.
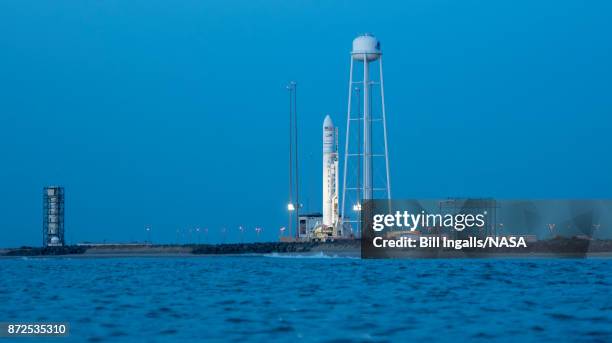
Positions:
{"x": 330, "y": 173}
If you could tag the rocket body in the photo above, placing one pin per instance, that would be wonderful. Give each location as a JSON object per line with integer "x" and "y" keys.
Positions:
{"x": 330, "y": 173}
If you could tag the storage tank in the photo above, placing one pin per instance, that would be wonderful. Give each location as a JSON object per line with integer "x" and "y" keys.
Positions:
{"x": 366, "y": 47}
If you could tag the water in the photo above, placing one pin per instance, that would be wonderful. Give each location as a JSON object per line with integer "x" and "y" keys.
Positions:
{"x": 266, "y": 298}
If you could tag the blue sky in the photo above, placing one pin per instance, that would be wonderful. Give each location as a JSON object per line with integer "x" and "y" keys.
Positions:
{"x": 173, "y": 114}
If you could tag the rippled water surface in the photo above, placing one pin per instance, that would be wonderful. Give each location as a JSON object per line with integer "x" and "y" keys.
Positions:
{"x": 261, "y": 298}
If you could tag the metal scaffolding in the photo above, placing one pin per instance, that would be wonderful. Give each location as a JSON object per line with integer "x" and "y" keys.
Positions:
{"x": 53, "y": 216}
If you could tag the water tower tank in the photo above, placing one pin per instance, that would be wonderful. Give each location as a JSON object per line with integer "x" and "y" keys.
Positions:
{"x": 366, "y": 45}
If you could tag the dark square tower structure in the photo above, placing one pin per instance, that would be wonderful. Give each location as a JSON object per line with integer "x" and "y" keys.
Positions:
{"x": 53, "y": 216}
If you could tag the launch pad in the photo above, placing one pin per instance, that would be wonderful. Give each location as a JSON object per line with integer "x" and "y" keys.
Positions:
{"x": 361, "y": 179}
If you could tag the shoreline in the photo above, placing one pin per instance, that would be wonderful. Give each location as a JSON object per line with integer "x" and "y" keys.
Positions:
{"x": 509, "y": 256}
{"x": 128, "y": 250}
{"x": 553, "y": 248}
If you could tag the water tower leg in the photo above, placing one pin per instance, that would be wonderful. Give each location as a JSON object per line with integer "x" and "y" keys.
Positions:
{"x": 384, "y": 120}
{"x": 367, "y": 143}
{"x": 346, "y": 140}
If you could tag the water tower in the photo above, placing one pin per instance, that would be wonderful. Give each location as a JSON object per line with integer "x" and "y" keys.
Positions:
{"x": 366, "y": 160}
{"x": 53, "y": 216}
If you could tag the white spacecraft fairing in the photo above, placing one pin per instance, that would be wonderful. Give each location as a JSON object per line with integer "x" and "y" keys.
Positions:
{"x": 330, "y": 173}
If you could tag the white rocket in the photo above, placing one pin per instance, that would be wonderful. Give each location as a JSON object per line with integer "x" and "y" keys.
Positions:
{"x": 330, "y": 173}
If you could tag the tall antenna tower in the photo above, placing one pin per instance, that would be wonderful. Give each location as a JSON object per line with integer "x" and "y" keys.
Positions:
{"x": 294, "y": 176}
{"x": 362, "y": 179}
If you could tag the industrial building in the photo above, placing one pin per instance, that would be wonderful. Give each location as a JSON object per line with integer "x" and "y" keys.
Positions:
{"x": 307, "y": 224}
{"x": 312, "y": 228}
{"x": 53, "y": 216}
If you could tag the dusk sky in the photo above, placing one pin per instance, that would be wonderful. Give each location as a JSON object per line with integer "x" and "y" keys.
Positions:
{"x": 174, "y": 114}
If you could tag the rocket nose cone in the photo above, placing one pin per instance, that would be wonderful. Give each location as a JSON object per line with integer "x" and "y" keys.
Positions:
{"x": 328, "y": 121}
